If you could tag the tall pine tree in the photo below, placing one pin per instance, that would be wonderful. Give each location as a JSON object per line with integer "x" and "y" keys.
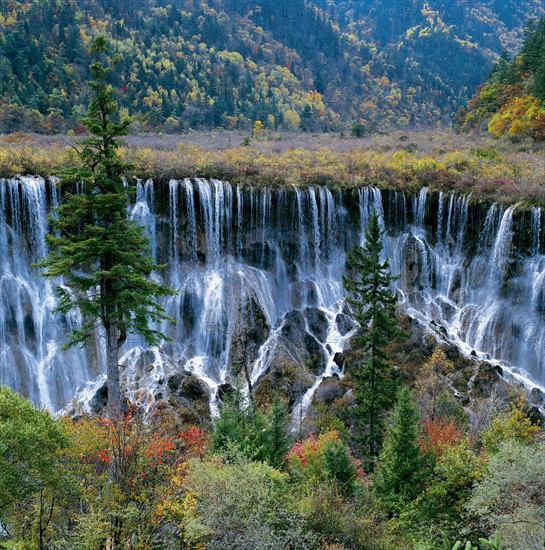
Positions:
{"x": 102, "y": 255}
{"x": 374, "y": 306}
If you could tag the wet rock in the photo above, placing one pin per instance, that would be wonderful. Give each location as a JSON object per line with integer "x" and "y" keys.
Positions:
{"x": 339, "y": 358}
{"x": 251, "y": 330}
{"x": 536, "y": 416}
{"x": 260, "y": 254}
{"x": 189, "y": 398}
{"x": 289, "y": 381}
{"x": 316, "y": 356}
{"x": 430, "y": 343}
{"x": 537, "y": 397}
{"x": 317, "y": 323}
{"x": 303, "y": 293}
{"x": 344, "y": 323}
{"x": 460, "y": 379}
{"x": 452, "y": 352}
{"x": 225, "y": 391}
{"x": 485, "y": 380}
{"x": 301, "y": 346}
{"x": 294, "y": 327}
{"x": 194, "y": 389}
{"x": 99, "y": 400}
{"x": 174, "y": 382}
{"x": 189, "y": 310}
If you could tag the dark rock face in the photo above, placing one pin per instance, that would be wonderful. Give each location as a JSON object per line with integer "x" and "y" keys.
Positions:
{"x": 317, "y": 323}
{"x": 485, "y": 379}
{"x": 99, "y": 400}
{"x": 174, "y": 382}
{"x": 250, "y": 332}
{"x": 299, "y": 355}
{"x": 286, "y": 378}
{"x": 344, "y": 323}
{"x": 537, "y": 397}
{"x": 329, "y": 390}
{"x": 248, "y": 261}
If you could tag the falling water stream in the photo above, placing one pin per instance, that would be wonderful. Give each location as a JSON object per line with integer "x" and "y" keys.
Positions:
{"x": 244, "y": 259}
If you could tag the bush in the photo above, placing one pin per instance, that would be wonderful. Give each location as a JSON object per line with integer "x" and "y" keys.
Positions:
{"x": 240, "y": 505}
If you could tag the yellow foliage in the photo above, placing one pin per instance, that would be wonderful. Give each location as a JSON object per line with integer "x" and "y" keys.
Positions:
{"x": 513, "y": 424}
{"x": 291, "y": 119}
{"x": 258, "y": 129}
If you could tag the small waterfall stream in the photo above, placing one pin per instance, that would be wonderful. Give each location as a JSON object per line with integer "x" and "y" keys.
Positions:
{"x": 250, "y": 262}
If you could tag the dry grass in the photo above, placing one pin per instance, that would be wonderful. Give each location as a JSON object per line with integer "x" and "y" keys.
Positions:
{"x": 489, "y": 168}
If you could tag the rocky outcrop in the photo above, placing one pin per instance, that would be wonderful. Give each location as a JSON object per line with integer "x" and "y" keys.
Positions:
{"x": 189, "y": 398}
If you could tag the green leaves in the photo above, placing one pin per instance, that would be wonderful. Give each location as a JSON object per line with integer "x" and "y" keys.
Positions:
{"x": 258, "y": 435}
{"x": 30, "y": 440}
{"x": 101, "y": 254}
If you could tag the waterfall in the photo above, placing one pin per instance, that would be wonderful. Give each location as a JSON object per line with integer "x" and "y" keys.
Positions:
{"x": 30, "y": 334}
{"x": 259, "y": 279}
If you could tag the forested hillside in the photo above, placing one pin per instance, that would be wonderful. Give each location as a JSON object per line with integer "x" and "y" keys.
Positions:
{"x": 512, "y": 100}
{"x": 223, "y": 63}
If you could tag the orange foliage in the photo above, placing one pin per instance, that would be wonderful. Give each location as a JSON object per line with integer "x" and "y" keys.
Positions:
{"x": 439, "y": 434}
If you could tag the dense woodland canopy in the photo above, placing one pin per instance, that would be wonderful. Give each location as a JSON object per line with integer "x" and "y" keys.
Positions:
{"x": 224, "y": 63}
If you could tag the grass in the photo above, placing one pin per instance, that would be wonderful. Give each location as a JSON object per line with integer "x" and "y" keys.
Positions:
{"x": 491, "y": 169}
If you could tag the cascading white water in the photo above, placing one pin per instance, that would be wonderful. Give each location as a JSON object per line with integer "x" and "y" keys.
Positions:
{"x": 244, "y": 259}
{"x": 30, "y": 334}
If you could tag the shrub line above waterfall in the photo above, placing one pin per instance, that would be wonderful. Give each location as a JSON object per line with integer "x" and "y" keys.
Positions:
{"x": 491, "y": 170}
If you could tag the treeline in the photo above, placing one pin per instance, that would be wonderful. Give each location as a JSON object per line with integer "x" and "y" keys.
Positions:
{"x": 512, "y": 100}
{"x": 199, "y": 64}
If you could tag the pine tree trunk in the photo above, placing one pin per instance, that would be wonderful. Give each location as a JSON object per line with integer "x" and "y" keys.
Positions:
{"x": 112, "y": 371}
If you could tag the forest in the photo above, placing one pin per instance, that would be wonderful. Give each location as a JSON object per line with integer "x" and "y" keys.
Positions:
{"x": 291, "y": 65}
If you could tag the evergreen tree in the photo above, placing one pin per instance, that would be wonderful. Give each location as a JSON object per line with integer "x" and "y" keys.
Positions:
{"x": 398, "y": 475}
{"x": 101, "y": 254}
{"x": 256, "y": 434}
{"x": 374, "y": 306}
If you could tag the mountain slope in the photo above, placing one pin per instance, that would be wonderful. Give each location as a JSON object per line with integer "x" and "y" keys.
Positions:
{"x": 512, "y": 100}
{"x": 289, "y": 63}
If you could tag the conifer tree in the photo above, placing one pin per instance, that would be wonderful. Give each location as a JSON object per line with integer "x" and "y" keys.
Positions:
{"x": 374, "y": 306}
{"x": 398, "y": 475}
{"x": 257, "y": 434}
{"x": 102, "y": 255}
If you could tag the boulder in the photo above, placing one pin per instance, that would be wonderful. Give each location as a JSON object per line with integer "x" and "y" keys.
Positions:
{"x": 344, "y": 323}
{"x": 99, "y": 401}
{"x": 317, "y": 323}
{"x": 485, "y": 379}
{"x": 329, "y": 390}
